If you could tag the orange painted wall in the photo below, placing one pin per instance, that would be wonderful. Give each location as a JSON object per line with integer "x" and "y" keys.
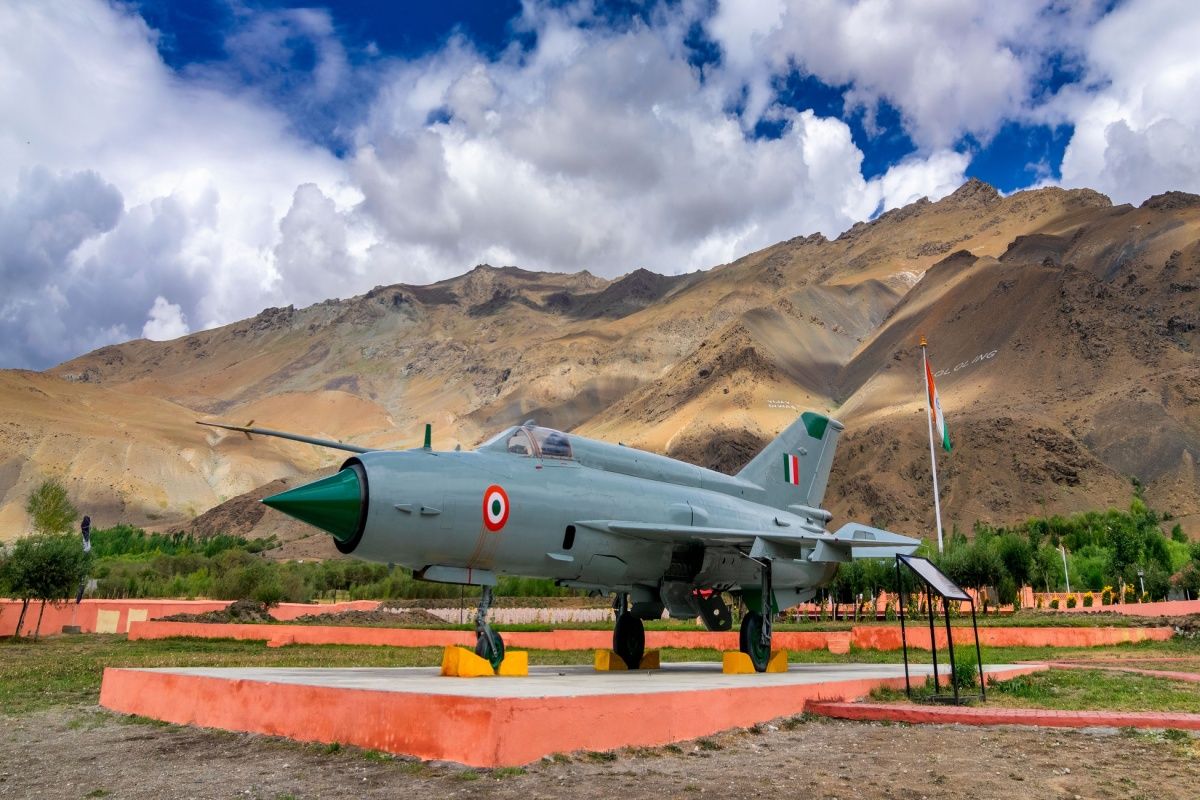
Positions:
{"x": 85, "y": 614}
{"x": 887, "y": 637}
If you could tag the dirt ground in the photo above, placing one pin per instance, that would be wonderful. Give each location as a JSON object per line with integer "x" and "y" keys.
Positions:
{"x": 86, "y": 752}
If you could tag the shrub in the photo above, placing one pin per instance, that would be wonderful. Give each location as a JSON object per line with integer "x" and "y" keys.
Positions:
{"x": 1106, "y": 597}
{"x": 269, "y": 592}
{"x": 1071, "y": 601}
{"x": 966, "y": 671}
{"x": 1130, "y": 593}
{"x": 1088, "y": 600}
{"x": 1054, "y": 603}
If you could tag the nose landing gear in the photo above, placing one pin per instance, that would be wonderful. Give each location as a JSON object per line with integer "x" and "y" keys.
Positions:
{"x": 488, "y": 643}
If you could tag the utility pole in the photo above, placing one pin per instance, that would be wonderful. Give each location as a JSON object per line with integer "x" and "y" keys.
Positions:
{"x": 1066, "y": 574}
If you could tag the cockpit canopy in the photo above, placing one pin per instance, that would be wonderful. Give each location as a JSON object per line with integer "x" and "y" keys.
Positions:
{"x": 531, "y": 440}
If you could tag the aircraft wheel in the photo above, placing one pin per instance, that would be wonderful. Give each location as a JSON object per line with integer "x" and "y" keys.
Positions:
{"x": 489, "y": 645}
{"x": 750, "y": 641}
{"x": 629, "y": 639}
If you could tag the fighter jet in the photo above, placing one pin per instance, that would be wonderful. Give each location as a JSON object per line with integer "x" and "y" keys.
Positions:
{"x": 656, "y": 533}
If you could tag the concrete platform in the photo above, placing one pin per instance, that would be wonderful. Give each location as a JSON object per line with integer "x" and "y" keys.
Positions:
{"x": 489, "y": 722}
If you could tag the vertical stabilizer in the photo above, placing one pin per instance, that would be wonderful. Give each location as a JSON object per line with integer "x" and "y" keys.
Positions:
{"x": 794, "y": 468}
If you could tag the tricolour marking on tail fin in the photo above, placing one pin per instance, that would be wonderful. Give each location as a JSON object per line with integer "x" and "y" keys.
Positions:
{"x": 794, "y": 468}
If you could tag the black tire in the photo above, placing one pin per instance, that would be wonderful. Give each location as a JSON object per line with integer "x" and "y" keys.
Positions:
{"x": 629, "y": 640}
{"x": 490, "y": 647}
{"x": 750, "y": 641}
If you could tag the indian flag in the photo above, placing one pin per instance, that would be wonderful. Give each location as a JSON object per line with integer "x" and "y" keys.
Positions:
{"x": 935, "y": 409}
{"x": 791, "y": 469}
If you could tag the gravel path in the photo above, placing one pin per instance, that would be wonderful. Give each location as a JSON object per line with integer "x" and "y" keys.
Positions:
{"x": 85, "y": 752}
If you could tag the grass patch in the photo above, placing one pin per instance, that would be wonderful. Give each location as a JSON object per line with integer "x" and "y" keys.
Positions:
{"x": 67, "y": 670}
{"x": 1095, "y": 690}
{"x": 508, "y": 772}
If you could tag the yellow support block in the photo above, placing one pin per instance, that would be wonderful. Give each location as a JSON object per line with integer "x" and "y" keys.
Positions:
{"x": 459, "y": 662}
{"x": 650, "y": 660}
{"x": 778, "y": 661}
{"x": 515, "y": 664}
{"x": 608, "y": 661}
{"x": 736, "y": 663}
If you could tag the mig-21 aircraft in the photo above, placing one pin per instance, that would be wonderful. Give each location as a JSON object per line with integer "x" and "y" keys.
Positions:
{"x": 655, "y": 532}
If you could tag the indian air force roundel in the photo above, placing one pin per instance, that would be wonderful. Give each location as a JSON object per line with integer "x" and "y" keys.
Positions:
{"x": 495, "y": 508}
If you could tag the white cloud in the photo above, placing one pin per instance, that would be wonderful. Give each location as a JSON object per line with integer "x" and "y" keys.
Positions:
{"x": 911, "y": 179}
{"x": 197, "y": 180}
{"x": 601, "y": 150}
{"x": 951, "y": 67}
{"x": 1139, "y": 134}
{"x": 166, "y": 321}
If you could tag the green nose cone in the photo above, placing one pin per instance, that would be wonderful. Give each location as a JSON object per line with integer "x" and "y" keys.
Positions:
{"x": 333, "y": 504}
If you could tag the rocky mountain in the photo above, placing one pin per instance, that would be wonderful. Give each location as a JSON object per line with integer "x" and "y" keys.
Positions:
{"x": 1064, "y": 330}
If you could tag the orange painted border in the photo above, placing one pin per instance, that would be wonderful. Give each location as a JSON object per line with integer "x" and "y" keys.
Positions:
{"x": 477, "y": 731}
{"x": 866, "y": 637}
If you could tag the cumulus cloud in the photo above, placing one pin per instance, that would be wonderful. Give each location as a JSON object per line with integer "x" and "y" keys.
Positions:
{"x": 601, "y": 149}
{"x": 127, "y": 181}
{"x": 166, "y": 321}
{"x": 951, "y": 67}
{"x": 1139, "y": 133}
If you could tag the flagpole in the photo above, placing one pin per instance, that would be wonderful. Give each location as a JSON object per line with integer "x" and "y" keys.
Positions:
{"x": 937, "y": 502}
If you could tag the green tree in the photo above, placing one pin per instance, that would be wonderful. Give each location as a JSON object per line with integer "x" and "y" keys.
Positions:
{"x": 1017, "y": 555}
{"x": 1047, "y": 568}
{"x": 1188, "y": 580}
{"x": 50, "y": 508}
{"x": 45, "y": 567}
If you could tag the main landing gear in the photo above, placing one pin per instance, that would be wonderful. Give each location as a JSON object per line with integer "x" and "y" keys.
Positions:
{"x": 755, "y": 637}
{"x": 629, "y": 635}
{"x": 488, "y": 643}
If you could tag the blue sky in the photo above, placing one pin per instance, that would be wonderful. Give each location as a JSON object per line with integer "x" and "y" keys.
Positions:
{"x": 166, "y": 167}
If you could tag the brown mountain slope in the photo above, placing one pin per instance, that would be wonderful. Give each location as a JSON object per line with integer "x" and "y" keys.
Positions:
{"x": 123, "y": 457}
{"x": 1066, "y": 329}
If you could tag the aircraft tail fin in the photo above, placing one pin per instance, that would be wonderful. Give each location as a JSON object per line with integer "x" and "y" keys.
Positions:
{"x": 794, "y": 468}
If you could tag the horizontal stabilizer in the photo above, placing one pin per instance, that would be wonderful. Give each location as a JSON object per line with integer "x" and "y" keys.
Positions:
{"x": 868, "y": 542}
